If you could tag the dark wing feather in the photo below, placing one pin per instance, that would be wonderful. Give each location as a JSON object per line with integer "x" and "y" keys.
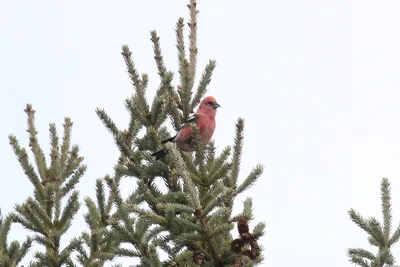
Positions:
{"x": 191, "y": 119}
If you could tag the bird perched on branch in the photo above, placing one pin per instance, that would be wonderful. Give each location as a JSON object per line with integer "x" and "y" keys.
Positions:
{"x": 204, "y": 118}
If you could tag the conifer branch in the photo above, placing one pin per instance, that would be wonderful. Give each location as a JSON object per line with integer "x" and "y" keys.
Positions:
{"x": 237, "y": 153}
{"x": 99, "y": 242}
{"x": 194, "y": 200}
{"x": 193, "y": 38}
{"x": 180, "y": 45}
{"x": 11, "y": 254}
{"x": 29, "y": 170}
{"x": 159, "y": 110}
{"x": 55, "y": 168}
{"x": 107, "y": 121}
{"x": 205, "y": 81}
{"x": 65, "y": 147}
{"x": 158, "y": 54}
{"x": 386, "y": 208}
{"x": 33, "y": 142}
{"x": 251, "y": 179}
{"x": 140, "y": 84}
{"x": 379, "y": 235}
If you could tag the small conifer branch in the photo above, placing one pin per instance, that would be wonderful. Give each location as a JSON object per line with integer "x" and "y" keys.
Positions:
{"x": 185, "y": 175}
{"x": 33, "y": 142}
{"x": 107, "y": 121}
{"x": 204, "y": 83}
{"x": 200, "y": 149}
{"x": 213, "y": 203}
{"x": 215, "y": 218}
{"x": 41, "y": 213}
{"x": 5, "y": 226}
{"x": 159, "y": 110}
{"x": 124, "y": 252}
{"x": 180, "y": 45}
{"x": 73, "y": 162}
{"x": 173, "y": 108}
{"x": 64, "y": 255}
{"x": 190, "y": 239}
{"x": 193, "y": 51}
{"x": 237, "y": 153}
{"x": 74, "y": 180}
{"x": 55, "y": 168}
{"x": 130, "y": 65}
{"x": 29, "y": 170}
{"x": 28, "y": 219}
{"x": 185, "y": 91}
{"x": 93, "y": 217}
{"x": 11, "y": 254}
{"x": 361, "y": 253}
{"x": 158, "y": 54}
{"x": 221, "y": 172}
{"x": 210, "y": 152}
{"x": 71, "y": 208}
{"x": 183, "y": 222}
{"x": 190, "y": 165}
{"x": 359, "y": 220}
{"x": 133, "y": 128}
{"x": 100, "y": 242}
{"x": 215, "y": 190}
{"x": 259, "y": 230}
{"x": 186, "y": 80}
{"x": 216, "y": 163}
{"x": 151, "y": 216}
{"x": 248, "y": 209}
{"x": 150, "y": 194}
{"x": 123, "y": 145}
{"x": 395, "y": 237}
{"x": 113, "y": 185}
{"x": 131, "y": 104}
{"x": 251, "y": 179}
{"x": 65, "y": 147}
{"x": 386, "y": 208}
{"x": 140, "y": 84}
{"x": 101, "y": 199}
{"x": 175, "y": 207}
{"x": 379, "y": 234}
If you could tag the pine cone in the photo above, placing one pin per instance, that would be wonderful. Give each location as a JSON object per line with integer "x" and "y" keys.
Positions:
{"x": 199, "y": 258}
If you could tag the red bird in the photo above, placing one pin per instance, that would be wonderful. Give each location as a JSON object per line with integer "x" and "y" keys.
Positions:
{"x": 205, "y": 120}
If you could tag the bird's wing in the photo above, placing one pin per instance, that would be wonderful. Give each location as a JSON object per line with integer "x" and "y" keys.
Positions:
{"x": 192, "y": 119}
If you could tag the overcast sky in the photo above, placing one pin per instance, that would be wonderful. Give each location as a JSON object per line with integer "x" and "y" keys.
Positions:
{"x": 316, "y": 81}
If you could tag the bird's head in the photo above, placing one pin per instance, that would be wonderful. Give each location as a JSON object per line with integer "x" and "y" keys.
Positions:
{"x": 208, "y": 106}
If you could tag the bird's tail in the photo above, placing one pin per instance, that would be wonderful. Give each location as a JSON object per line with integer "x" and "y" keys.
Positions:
{"x": 159, "y": 154}
{"x": 168, "y": 140}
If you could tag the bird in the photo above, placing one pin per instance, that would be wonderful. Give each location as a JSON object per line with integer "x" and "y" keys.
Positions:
{"x": 204, "y": 118}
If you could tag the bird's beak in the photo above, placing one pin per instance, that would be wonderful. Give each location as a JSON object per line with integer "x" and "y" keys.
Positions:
{"x": 215, "y": 105}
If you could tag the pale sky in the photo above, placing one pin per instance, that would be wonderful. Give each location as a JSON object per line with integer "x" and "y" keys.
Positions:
{"x": 316, "y": 81}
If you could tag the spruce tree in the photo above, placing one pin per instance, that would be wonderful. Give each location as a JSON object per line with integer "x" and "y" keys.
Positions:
{"x": 191, "y": 221}
{"x": 380, "y": 234}
{"x": 54, "y": 185}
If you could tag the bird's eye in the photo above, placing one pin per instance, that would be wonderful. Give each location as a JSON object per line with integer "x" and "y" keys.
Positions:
{"x": 209, "y": 103}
